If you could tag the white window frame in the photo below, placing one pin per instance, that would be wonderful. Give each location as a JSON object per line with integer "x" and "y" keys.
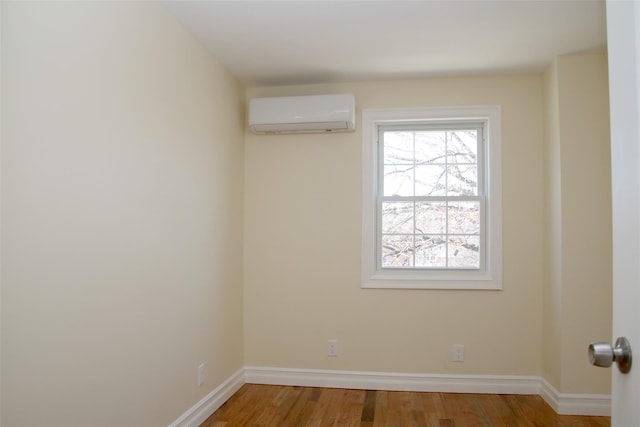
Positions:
{"x": 489, "y": 276}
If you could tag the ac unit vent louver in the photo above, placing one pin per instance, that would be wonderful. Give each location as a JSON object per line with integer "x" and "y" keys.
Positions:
{"x": 302, "y": 114}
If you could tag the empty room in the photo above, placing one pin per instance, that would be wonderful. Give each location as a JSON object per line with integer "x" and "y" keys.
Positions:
{"x": 272, "y": 204}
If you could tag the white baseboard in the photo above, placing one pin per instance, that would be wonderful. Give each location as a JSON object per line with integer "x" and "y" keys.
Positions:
{"x": 575, "y": 404}
{"x": 394, "y": 381}
{"x": 211, "y": 402}
{"x": 562, "y": 403}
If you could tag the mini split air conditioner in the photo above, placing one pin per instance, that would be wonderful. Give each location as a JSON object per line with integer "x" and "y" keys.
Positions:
{"x": 302, "y": 114}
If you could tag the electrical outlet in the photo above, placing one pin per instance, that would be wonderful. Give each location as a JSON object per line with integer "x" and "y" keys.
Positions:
{"x": 332, "y": 348}
{"x": 200, "y": 374}
{"x": 458, "y": 353}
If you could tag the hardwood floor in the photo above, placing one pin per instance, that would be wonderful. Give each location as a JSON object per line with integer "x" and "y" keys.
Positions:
{"x": 280, "y": 406}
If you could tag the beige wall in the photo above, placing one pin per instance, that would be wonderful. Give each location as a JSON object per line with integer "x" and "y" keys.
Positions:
{"x": 123, "y": 204}
{"x": 302, "y": 247}
{"x": 578, "y": 291}
{"x": 122, "y": 169}
{"x": 552, "y": 295}
{"x": 586, "y": 218}
{"x": 302, "y": 240}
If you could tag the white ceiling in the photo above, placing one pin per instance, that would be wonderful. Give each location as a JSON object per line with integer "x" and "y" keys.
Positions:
{"x": 274, "y": 42}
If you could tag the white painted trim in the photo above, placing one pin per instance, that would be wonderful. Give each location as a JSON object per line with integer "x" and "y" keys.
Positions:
{"x": 562, "y": 403}
{"x": 488, "y": 278}
{"x": 502, "y": 384}
{"x": 575, "y": 404}
{"x": 211, "y": 402}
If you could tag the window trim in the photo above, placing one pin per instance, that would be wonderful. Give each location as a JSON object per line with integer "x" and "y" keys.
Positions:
{"x": 491, "y": 277}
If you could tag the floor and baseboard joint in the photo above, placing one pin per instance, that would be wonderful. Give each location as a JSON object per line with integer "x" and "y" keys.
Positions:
{"x": 562, "y": 403}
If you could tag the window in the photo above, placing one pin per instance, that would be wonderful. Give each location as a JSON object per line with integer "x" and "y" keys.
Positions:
{"x": 432, "y": 202}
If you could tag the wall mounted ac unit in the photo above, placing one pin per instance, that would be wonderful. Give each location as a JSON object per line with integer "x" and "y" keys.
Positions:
{"x": 302, "y": 114}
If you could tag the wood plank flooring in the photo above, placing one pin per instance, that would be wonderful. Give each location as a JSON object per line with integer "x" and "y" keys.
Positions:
{"x": 285, "y": 406}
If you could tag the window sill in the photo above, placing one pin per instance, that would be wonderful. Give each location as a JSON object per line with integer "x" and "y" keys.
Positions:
{"x": 410, "y": 280}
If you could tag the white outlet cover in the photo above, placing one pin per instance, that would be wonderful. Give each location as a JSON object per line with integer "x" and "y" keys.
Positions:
{"x": 458, "y": 353}
{"x": 332, "y": 348}
{"x": 201, "y": 374}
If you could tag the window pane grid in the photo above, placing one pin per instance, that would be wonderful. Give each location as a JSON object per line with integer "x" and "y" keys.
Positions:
{"x": 441, "y": 244}
{"x": 445, "y": 165}
{"x": 429, "y": 204}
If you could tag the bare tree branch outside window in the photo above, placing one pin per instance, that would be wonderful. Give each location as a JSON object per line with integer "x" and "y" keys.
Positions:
{"x": 430, "y": 207}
